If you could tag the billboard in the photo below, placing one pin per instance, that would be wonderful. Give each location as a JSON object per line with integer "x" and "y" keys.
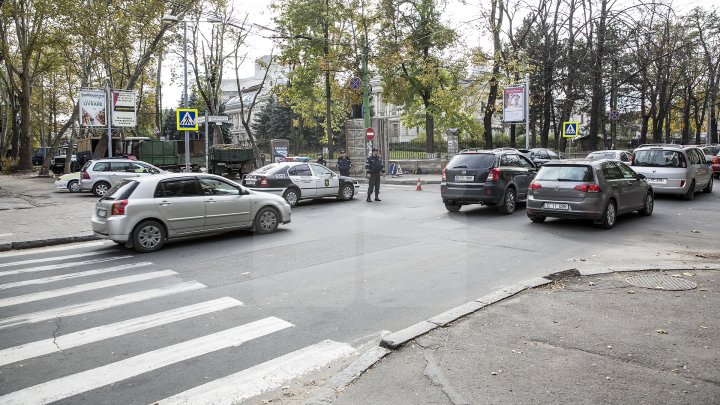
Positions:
{"x": 514, "y": 104}
{"x": 123, "y": 112}
{"x": 93, "y": 112}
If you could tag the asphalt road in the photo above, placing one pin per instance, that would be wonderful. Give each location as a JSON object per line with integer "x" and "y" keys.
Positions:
{"x": 341, "y": 271}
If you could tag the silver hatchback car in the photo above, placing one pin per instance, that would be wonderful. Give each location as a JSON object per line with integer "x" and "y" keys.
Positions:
{"x": 99, "y": 175}
{"x": 594, "y": 189}
{"x": 145, "y": 212}
{"x": 673, "y": 169}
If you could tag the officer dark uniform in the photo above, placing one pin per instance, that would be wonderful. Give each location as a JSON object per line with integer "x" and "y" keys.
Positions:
{"x": 374, "y": 166}
{"x": 321, "y": 160}
{"x": 344, "y": 163}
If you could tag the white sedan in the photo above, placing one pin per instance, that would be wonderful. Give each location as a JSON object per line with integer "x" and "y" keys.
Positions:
{"x": 70, "y": 182}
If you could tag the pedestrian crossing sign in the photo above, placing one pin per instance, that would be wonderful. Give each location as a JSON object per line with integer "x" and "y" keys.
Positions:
{"x": 570, "y": 129}
{"x": 186, "y": 119}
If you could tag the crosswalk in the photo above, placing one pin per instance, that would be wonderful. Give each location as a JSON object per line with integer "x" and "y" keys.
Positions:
{"x": 73, "y": 288}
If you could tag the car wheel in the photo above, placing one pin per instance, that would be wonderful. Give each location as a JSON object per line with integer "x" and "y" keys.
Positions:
{"x": 453, "y": 207}
{"x": 647, "y": 208}
{"x": 347, "y": 192}
{"x": 708, "y": 188}
{"x": 291, "y": 195}
{"x": 148, "y": 236}
{"x": 609, "y": 216}
{"x": 690, "y": 193}
{"x": 100, "y": 188}
{"x": 538, "y": 219}
{"x": 74, "y": 186}
{"x": 508, "y": 204}
{"x": 266, "y": 220}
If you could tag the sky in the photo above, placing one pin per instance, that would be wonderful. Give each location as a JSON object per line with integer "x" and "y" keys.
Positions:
{"x": 463, "y": 15}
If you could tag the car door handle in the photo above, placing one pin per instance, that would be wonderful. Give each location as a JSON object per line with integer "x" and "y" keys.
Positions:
{"x": 164, "y": 203}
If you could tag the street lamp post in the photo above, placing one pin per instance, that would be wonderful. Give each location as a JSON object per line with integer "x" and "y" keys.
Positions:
{"x": 174, "y": 18}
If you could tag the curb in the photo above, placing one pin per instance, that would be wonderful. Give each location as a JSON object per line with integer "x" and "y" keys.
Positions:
{"x": 395, "y": 340}
{"x": 408, "y": 182}
{"x": 30, "y": 244}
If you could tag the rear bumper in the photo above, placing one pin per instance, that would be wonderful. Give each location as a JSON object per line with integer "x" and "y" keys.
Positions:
{"x": 113, "y": 228}
{"x": 587, "y": 209}
{"x": 481, "y": 194}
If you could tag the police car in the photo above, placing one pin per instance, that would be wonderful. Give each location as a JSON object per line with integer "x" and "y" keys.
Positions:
{"x": 295, "y": 181}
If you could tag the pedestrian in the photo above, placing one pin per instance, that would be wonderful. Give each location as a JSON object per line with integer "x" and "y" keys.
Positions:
{"x": 344, "y": 164}
{"x": 374, "y": 166}
{"x": 321, "y": 160}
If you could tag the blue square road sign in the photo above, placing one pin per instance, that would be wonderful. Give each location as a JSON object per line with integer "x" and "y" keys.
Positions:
{"x": 186, "y": 119}
{"x": 570, "y": 129}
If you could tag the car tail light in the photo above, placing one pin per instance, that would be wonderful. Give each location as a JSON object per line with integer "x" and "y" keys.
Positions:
{"x": 716, "y": 161}
{"x": 588, "y": 188}
{"x": 535, "y": 186}
{"x": 444, "y": 178}
{"x": 118, "y": 207}
{"x": 264, "y": 182}
{"x": 494, "y": 175}
{"x": 85, "y": 175}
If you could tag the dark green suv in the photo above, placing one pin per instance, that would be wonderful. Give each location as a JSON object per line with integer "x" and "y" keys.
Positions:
{"x": 498, "y": 177}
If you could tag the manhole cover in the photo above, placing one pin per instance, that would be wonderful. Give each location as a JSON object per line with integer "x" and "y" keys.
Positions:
{"x": 661, "y": 283}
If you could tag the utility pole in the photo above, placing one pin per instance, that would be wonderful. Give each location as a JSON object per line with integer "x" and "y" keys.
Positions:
{"x": 366, "y": 85}
{"x": 326, "y": 48}
{"x": 527, "y": 111}
{"x": 613, "y": 106}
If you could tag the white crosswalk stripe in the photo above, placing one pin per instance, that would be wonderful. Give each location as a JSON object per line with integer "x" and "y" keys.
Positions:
{"x": 62, "y": 266}
{"x": 263, "y": 377}
{"x": 43, "y": 295}
{"x": 69, "y": 276}
{"x": 48, "y": 249}
{"x": 65, "y": 342}
{"x": 68, "y": 386}
{"x": 98, "y": 305}
{"x": 51, "y": 259}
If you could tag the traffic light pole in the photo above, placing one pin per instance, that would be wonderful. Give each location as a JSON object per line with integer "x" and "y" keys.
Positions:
{"x": 366, "y": 91}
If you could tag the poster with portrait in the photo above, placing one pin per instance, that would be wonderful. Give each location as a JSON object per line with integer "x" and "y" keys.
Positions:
{"x": 93, "y": 112}
{"x": 514, "y": 104}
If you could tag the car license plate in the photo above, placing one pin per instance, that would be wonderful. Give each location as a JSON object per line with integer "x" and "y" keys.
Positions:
{"x": 657, "y": 181}
{"x": 102, "y": 213}
{"x": 556, "y": 206}
{"x": 464, "y": 178}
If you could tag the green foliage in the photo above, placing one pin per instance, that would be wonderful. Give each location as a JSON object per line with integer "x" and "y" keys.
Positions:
{"x": 9, "y": 165}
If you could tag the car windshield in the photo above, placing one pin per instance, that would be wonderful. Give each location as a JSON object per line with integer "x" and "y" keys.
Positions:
{"x": 565, "y": 173}
{"x": 657, "y": 158}
{"x": 266, "y": 169}
{"x": 472, "y": 161}
{"x": 121, "y": 191}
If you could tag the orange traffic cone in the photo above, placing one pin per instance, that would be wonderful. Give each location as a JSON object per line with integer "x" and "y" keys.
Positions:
{"x": 419, "y": 186}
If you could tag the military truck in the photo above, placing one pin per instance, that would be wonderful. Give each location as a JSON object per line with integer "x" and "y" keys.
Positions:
{"x": 231, "y": 159}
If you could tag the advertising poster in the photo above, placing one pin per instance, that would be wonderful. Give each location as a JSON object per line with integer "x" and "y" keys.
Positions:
{"x": 123, "y": 112}
{"x": 92, "y": 108}
{"x": 514, "y": 104}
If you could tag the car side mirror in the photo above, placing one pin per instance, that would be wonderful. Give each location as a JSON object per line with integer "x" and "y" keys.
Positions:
{"x": 641, "y": 176}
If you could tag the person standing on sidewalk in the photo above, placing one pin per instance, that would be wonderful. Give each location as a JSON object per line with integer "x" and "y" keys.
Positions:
{"x": 374, "y": 166}
{"x": 321, "y": 160}
{"x": 344, "y": 163}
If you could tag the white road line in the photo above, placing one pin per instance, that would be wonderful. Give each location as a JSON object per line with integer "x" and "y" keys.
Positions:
{"x": 26, "y": 252}
{"x": 52, "y": 259}
{"x": 62, "y": 266}
{"x": 83, "y": 337}
{"x": 74, "y": 384}
{"x": 96, "y": 285}
{"x": 98, "y": 305}
{"x": 255, "y": 380}
{"x": 73, "y": 275}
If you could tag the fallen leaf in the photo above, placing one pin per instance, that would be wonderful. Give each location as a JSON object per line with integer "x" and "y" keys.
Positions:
{"x": 688, "y": 274}
{"x": 493, "y": 373}
{"x": 631, "y": 292}
{"x": 661, "y": 331}
{"x": 699, "y": 255}
{"x": 607, "y": 378}
{"x": 591, "y": 283}
{"x": 703, "y": 289}
{"x": 695, "y": 231}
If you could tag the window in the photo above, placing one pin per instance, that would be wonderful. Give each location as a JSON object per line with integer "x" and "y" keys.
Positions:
{"x": 121, "y": 191}
{"x": 524, "y": 162}
{"x": 627, "y": 172}
{"x": 694, "y": 156}
{"x": 321, "y": 171}
{"x": 565, "y": 173}
{"x": 472, "y": 161}
{"x": 101, "y": 167}
{"x": 504, "y": 161}
{"x": 177, "y": 188}
{"x": 120, "y": 167}
{"x": 624, "y": 157}
{"x": 300, "y": 170}
{"x": 217, "y": 187}
{"x": 657, "y": 158}
{"x": 611, "y": 171}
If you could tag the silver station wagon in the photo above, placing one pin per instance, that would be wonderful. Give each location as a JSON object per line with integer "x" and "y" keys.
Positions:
{"x": 593, "y": 189}
{"x": 145, "y": 212}
{"x": 673, "y": 169}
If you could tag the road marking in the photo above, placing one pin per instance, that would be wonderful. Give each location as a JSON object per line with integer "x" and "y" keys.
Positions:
{"x": 255, "y": 380}
{"x": 5, "y": 235}
{"x": 51, "y": 259}
{"x": 98, "y": 305}
{"x": 73, "y": 275}
{"x": 83, "y": 337}
{"x": 74, "y": 384}
{"x": 62, "y": 266}
{"x": 96, "y": 285}
{"x": 25, "y": 252}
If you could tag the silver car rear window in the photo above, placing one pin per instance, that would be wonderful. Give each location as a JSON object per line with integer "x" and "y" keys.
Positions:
{"x": 472, "y": 161}
{"x": 658, "y": 158}
{"x": 565, "y": 173}
{"x": 121, "y": 191}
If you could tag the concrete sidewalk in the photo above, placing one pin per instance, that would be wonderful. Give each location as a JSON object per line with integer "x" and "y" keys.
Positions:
{"x": 577, "y": 339}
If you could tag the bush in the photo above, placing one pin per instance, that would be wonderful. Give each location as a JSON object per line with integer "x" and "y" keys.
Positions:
{"x": 9, "y": 165}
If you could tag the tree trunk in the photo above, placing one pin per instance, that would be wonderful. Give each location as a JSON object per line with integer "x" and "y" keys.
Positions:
{"x": 25, "y": 153}
{"x": 686, "y": 115}
{"x": 598, "y": 91}
{"x": 429, "y": 126}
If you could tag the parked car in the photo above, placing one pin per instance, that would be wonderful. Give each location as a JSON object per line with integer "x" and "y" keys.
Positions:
{"x": 592, "y": 189}
{"x": 674, "y": 169}
{"x": 39, "y": 156}
{"x": 70, "y": 182}
{"x": 57, "y": 164}
{"x": 497, "y": 177}
{"x": 716, "y": 165}
{"x": 620, "y": 155}
{"x": 540, "y": 156}
{"x": 100, "y": 175}
{"x": 145, "y": 212}
{"x": 296, "y": 181}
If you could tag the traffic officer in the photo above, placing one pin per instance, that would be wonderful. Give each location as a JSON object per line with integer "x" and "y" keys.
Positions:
{"x": 344, "y": 163}
{"x": 374, "y": 166}
{"x": 321, "y": 160}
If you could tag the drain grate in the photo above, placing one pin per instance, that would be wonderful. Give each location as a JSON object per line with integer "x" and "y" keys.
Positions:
{"x": 661, "y": 283}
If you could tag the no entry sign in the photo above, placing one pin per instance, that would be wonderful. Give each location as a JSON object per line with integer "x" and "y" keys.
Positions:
{"x": 369, "y": 134}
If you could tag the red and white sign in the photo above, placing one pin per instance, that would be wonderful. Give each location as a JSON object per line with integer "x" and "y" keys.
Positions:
{"x": 369, "y": 134}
